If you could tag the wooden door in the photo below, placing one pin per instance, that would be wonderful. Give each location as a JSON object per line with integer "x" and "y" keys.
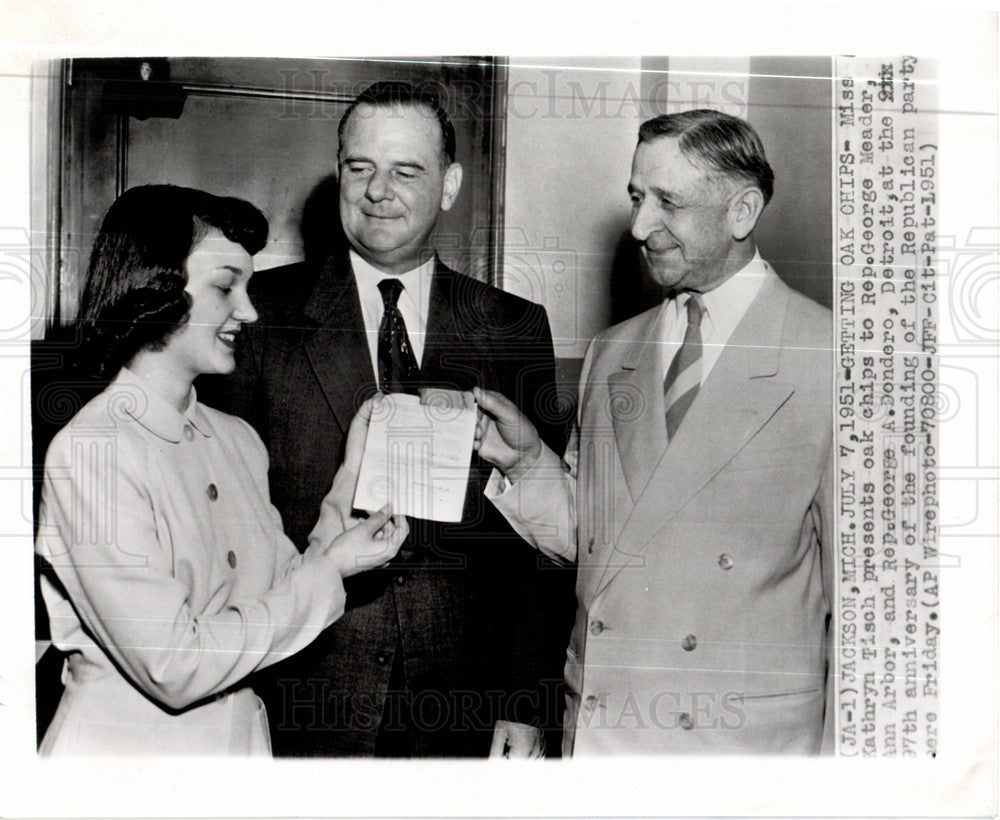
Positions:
{"x": 264, "y": 130}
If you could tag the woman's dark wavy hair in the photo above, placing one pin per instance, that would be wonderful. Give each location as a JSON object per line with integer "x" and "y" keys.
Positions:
{"x": 134, "y": 294}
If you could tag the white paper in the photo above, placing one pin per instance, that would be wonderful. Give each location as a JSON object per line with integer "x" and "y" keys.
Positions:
{"x": 417, "y": 456}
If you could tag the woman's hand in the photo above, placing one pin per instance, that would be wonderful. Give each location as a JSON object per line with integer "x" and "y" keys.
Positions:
{"x": 369, "y": 544}
{"x": 361, "y": 542}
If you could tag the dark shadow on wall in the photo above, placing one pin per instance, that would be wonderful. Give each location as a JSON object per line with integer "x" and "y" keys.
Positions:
{"x": 320, "y": 227}
{"x": 62, "y": 381}
{"x": 632, "y": 289}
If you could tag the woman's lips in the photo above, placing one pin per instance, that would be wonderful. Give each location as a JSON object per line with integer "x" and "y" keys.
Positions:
{"x": 227, "y": 337}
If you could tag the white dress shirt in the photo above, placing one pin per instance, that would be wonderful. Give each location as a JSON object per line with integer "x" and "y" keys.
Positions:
{"x": 413, "y": 304}
{"x": 725, "y": 306}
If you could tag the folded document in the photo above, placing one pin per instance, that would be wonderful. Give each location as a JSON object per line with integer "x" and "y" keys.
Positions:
{"x": 417, "y": 455}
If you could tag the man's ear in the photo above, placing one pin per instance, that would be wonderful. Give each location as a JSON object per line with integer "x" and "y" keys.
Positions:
{"x": 744, "y": 211}
{"x": 452, "y": 184}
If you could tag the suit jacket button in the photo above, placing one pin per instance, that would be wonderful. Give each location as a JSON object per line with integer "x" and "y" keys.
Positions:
{"x": 188, "y": 432}
{"x": 399, "y": 580}
{"x": 231, "y": 558}
{"x": 590, "y": 703}
{"x": 596, "y": 627}
{"x": 685, "y": 721}
{"x": 726, "y": 561}
{"x": 213, "y": 492}
{"x": 381, "y": 659}
{"x": 689, "y": 643}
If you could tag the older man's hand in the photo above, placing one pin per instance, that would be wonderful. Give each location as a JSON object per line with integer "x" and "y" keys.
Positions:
{"x": 504, "y": 436}
{"x": 517, "y": 740}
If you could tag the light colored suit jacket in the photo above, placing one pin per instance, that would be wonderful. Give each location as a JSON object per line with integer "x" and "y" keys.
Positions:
{"x": 704, "y": 568}
{"x": 170, "y": 578}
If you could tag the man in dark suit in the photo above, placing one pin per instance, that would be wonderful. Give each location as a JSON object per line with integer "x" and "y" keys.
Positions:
{"x": 465, "y": 627}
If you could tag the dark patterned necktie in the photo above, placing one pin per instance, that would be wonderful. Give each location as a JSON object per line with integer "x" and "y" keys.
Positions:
{"x": 397, "y": 366}
{"x": 683, "y": 379}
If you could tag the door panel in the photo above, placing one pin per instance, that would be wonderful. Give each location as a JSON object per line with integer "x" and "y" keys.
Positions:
{"x": 275, "y": 170}
{"x": 264, "y": 130}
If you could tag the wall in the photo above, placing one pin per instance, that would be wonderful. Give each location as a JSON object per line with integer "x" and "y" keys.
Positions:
{"x": 571, "y": 131}
{"x": 261, "y": 129}
{"x": 789, "y": 105}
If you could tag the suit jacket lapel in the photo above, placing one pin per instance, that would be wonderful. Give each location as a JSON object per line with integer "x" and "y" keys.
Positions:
{"x": 636, "y": 397}
{"x": 338, "y": 348}
{"x": 737, "y": 399}
{"x": 442, "y": 332}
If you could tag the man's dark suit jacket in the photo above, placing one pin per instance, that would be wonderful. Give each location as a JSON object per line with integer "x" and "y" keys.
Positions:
{"x": 482, "y": 622}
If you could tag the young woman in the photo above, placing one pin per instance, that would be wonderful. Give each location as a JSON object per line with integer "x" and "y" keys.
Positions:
{"x": 170, "y": 578}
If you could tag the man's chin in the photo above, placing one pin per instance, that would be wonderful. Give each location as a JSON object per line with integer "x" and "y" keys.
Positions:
{"x": 374, "y": 232}
{"x": 662, "y": 272}
{"x": 382, "y": 254}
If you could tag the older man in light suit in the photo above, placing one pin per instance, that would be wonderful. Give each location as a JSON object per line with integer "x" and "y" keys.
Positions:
{"x": 696, "y": 494}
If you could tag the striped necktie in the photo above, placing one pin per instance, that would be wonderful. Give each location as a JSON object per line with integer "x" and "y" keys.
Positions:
{"x": 397, "y": 366}
{"x": 683, "y": 377}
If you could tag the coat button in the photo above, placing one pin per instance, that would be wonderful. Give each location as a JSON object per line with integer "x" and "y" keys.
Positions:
{"x": 399, "y": 580}
{"x": 689, "y": 643}
{"x": 590, "y": 703}
{"x": 231, "y": 558}
{"x": 381, "y": 659}
{"x": 188, "y": 432}
{"x": 726, "y": 561}
{"x": 596, "y": 627}
{"x": 213, "y": 492}
{"x": 685, "y": 721}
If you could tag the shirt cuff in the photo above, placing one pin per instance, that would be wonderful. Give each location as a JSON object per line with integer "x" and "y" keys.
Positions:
{"x": 496, "y": 485}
